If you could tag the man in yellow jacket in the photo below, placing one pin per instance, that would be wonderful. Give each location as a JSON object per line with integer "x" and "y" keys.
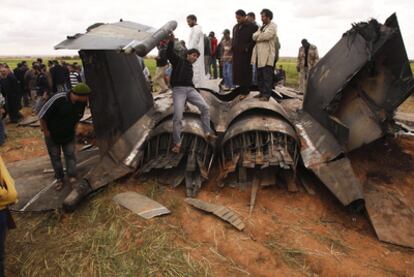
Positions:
{"x": 264, "y": 53}
{"x": 8, "y": 196}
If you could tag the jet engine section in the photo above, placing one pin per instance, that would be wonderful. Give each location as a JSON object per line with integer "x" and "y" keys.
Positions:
{"x": 194, "y": 161}
{"x": 259, "y": 147}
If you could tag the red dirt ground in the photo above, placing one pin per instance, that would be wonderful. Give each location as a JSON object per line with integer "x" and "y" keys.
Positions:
{"x": 296, "y": 234}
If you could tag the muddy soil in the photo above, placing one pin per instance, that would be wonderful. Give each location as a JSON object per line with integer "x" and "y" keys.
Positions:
{"x": 296, "y": 234}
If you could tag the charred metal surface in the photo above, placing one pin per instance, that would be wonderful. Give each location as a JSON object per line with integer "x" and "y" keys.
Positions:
{"x": 340, "y": 179}
{"x": 223, "y": 212}
{"x": 322, "y": 154}
{"x": 193, "y": 163}
{"x": 253, "y": 134}
{"x": 120, "y": 95}
{"x": 35, "y": 186}
{"x": 355, "y": 88}
{"x": 258, "y": 142}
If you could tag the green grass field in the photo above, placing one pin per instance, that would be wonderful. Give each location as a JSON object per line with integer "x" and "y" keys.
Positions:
{"x": 289, "y": 64}
{"x": 12, "y": 63}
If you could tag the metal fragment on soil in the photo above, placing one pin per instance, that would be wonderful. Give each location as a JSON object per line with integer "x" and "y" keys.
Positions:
{"x": 140, "y": 204}
{"x": 218, "y": 210}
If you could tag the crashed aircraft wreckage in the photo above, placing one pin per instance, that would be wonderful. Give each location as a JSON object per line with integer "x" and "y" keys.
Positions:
{"x": 350, "y": 101}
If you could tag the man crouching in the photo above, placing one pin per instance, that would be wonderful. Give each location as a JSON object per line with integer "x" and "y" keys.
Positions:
{"x": 58, "y": 119}
{"x": 183, "y": 90}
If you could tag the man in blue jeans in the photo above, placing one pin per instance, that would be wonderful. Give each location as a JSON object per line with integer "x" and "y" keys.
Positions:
{"x": 183, "y": 91}
{"x": 227, "y": 60}
{"x": 58, "y": 119}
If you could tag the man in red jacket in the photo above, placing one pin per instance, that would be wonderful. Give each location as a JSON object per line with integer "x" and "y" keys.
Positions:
{"x": 213, "y": 60}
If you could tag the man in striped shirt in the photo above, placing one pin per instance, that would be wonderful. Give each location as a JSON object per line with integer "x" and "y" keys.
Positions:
{"x": 58, "y": 119}
{"x": 74, "y": 76}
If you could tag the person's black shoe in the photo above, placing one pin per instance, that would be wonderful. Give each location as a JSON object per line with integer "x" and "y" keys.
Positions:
{"x": 76, "y": 195}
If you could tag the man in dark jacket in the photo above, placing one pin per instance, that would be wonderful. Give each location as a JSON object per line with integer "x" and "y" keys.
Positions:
{"x": 10, "y": 88}
{"x": 183, "y": 91}
{"x": 19, "y": 73}
{"x": 58, "y": 119}
{"x": 42, "y": 87}
{"x": 242, "y": 52}
{"x": 59, "y": 76}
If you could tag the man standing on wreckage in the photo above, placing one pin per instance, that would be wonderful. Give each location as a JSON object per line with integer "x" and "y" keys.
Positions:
{"x": 183, "y": 90}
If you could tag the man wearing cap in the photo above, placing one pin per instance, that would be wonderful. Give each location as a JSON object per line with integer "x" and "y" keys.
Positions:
{"x": 58, "y": 119}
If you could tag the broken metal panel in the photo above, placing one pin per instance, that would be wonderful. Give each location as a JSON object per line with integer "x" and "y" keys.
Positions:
{"x": 119, "y": 96}
{"x": 339, "y": 177}
{"x": 224, "y": 112}
{"x": 140, "y": 204}
{"x": 322, "y": 153}
{"x": 318, "y": 145}
{"x": 112, "y": 36}
{"x": 124, "y": 155}
{"x": 36, "y": 188}
{"x": 120, "y": 93}
{"x": 288, "y": 93}
{"x": 189, "y": 125}
{"x": 212, "y": 85}
{"x": 369, "y": 61}
{"x": 31, "y": 121}
{"x": 391, "y": 212}
{"x": 124, "y": 35}
{"x": 251, "y": 103}
{"x": 363, "y": 123}
{"x": 259, "y": 122}
{"x": 218, "y": 210}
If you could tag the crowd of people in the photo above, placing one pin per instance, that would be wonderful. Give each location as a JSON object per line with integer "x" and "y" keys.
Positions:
{"x": 244, "y": 57}
{"x": 24, "y": 85}
{"x": 58, "y": 96}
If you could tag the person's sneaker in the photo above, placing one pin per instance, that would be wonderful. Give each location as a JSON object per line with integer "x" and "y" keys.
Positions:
{"x": 76, "y": 195}
{"x": 176, "y": 148}
{"x": 257, "y": 96}
{"x": 59, "y": 184}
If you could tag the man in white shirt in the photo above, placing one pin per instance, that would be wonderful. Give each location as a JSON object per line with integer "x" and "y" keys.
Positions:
{"x": 196, "y": 40}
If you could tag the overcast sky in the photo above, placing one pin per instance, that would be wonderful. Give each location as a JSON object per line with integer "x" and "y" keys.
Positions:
{"x": 34, "y": 27}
